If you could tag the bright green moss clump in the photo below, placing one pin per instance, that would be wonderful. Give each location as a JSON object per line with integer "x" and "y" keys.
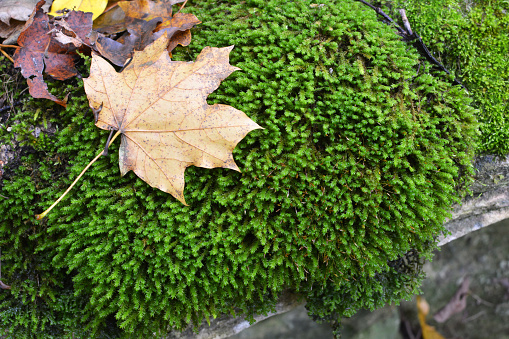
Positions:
{"x": 362, "y": 155}
{"x": 471, "y": 39}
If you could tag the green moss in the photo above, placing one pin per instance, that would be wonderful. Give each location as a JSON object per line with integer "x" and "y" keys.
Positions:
{"x": 362, "y": 155}
{"x": 471, "y": 39}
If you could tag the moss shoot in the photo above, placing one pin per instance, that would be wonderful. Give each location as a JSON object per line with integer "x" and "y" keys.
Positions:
{"x": 470, "y": 38}
{"x": 363, "y": 153}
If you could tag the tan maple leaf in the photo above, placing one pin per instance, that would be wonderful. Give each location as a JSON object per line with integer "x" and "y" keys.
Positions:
{"x": 159, "y": 106}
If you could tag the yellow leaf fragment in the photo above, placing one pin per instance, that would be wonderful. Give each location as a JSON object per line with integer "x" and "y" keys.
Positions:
{"x": 160, "y": 108}
{"x": 428, "y": 332}
{"x": 96, "y": 7}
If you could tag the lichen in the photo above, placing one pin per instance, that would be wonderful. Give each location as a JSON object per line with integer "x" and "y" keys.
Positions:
{"x": 362, "y": 155}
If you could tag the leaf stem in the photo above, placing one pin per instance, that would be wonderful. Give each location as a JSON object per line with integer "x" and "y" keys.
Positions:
{"x": 43, "y": 214}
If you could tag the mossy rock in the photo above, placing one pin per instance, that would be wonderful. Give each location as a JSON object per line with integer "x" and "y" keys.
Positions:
{"x": 362, "y": 155}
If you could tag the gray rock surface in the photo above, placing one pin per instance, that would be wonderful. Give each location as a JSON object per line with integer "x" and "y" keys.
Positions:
{"x": 489, "y": 202}
{"x": 226, "y": 325}
{"x": 294, "y": 324}
{"x": 483, "y": 257}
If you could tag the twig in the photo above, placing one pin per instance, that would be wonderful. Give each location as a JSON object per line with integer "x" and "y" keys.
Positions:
{"x": 408, "y": 35}
{"x": 8, "y": 107}
{"x": 385, "y": 16}
{"x": 181, "y": 7}
{"x": 408, "y": 328}
{"x": 9, "y": 46}
{"x": 480, "y": 300}
{"x": 475, "y": 316}
{"x": 6, "y": 55}
{"x": 405, "y": 21}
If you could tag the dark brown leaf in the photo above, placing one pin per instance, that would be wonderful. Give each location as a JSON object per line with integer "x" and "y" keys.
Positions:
{"x": 40, "y": 52}
{"x": 140, "y": 15}
{"x": 112, "y": 21}
{"x": 138, "y": 36}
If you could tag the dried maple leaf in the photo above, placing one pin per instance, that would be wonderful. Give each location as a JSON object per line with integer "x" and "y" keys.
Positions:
{"x": 96, "y": 7}
{"x": 160, "y": 108}
{"x": 74, "y": 28}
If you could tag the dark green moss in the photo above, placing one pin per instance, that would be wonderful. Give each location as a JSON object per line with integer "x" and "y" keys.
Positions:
{"x": 362, "y": 155}
{"x": 472, "y": 39}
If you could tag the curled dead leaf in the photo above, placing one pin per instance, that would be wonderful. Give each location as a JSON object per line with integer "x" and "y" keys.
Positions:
{"x": 178, "y": 29}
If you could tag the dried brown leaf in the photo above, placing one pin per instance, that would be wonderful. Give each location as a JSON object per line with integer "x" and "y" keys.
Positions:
{"x": 161, "y": 109}
{"x": 49, "y": 46}
{"x": 146, "y": 21}
{"x": 148, "y": 10}
{"x": 74, "y": 28}
{"x": 39, "y": 52}
{"x": 112, "y": 21}
{"x": 178, "y": 29}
